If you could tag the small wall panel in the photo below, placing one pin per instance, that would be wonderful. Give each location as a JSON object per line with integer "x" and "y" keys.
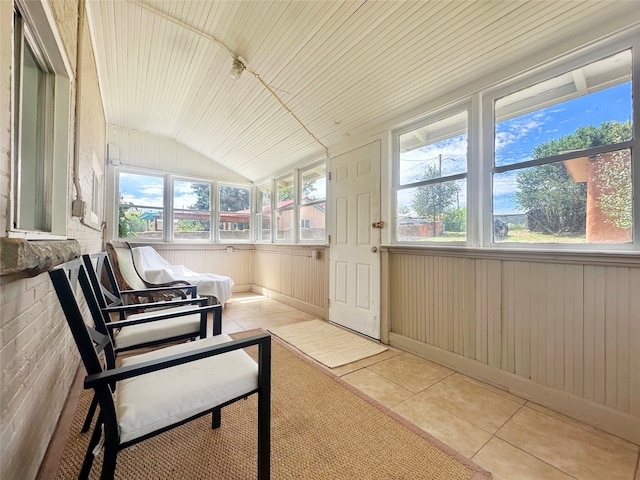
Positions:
{"x": 292, "y": 271}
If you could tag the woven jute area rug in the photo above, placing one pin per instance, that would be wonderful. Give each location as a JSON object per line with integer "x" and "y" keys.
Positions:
{"x": 330, "y": 345}
{"x": 321, "y": 429}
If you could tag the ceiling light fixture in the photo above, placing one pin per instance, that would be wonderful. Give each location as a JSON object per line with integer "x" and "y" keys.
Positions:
{"x": 237, "y": 67}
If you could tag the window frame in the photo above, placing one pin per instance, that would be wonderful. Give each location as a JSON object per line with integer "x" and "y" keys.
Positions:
{"x": 34, "y": 25}
{"x": 258, "y": 216}
{"x": 481, "y": 138}
{"x": 548, "y": 71}
{"x": 432, "y": 118}
{"x": 218, "y": 211}
{"x": 212, "y": 209}
{"x": 168, "y": 207}
{"x": 166, "y": 200}
{"x": 277, "y": 211}
{"x": 300, "y": 204}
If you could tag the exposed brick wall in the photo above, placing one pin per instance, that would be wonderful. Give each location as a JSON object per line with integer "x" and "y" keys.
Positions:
{"x": 38, "y": 358}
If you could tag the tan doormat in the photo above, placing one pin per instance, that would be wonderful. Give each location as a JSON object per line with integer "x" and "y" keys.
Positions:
{"x": 321, "y": 429}
{"x": 330, "y": 345}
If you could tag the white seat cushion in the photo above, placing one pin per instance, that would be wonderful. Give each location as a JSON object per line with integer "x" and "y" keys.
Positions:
{"x": 161, "y": 329}
{"x": 150, "y": 402}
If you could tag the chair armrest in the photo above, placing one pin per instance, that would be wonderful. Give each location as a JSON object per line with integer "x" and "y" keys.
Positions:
{"x": 193, "y": 289}
{"x": 108, "y": 377}
{"x": 202, "y": 301}
{"x": 162, "y": 316}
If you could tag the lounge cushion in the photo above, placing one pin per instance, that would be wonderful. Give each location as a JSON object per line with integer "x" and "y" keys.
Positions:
{"x": 150, "y": 402}
{"x": 158, "y": 330}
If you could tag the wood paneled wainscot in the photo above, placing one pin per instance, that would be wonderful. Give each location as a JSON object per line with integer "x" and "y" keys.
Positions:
{"x": 562, "y": 330}
{"x": 297, "y": 275}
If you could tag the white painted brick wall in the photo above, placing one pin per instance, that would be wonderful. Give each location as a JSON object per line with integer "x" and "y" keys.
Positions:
{"x": 38, "y": 358}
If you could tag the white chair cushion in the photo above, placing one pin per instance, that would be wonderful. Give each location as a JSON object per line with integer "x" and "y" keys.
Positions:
{"x": 150, "y": 402}
{"x": 161, "y": 329}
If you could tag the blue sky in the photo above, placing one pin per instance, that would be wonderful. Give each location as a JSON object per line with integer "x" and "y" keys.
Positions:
{"x": 516, "y": 138}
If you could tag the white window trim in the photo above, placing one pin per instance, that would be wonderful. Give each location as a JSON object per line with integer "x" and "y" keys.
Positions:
{"x": 545, "y": 72}
{"x": 217, "y": 211}
{"x": 212, "y": 209}
{"x": 434, "y": 117}
{"x": 43, "y": 29}
{"x": 298, "y": 204}
{"x": 481, "y": 143}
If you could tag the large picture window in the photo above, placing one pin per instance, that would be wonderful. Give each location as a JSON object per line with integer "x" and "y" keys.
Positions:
{"x": 547, "y": 160}
{"x": 562, "y": 158}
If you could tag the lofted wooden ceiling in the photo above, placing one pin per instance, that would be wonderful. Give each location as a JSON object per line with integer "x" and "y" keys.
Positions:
{"x": 341, "y": 67}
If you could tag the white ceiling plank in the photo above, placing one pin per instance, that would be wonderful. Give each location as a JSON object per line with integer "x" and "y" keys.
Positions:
{"x": 340, "y": 66}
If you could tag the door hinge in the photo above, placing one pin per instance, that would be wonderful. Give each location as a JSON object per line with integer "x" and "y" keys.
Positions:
{"x": 328, "y": 302}
{"x": 377, "y": 225}
{"x": 329, "y": 239}
{"x": 329, "y": 175}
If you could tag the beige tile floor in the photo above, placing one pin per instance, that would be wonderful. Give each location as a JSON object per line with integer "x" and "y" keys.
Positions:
{"x": 511, "y": 437}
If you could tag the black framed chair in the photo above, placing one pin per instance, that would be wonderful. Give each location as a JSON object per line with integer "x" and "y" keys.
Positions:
{"x": 137, "y": 289}
{"x": 148, "y": 324}
{"x": 117, "y": 268}
{"x": 137, "y": 401}
{"x": 145, "y": 334}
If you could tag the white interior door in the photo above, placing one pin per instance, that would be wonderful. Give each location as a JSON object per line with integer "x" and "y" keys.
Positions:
{"x": 354, "y": 272}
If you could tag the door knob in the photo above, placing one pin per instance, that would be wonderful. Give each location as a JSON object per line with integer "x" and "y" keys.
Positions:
{"x": 374, "y": 249}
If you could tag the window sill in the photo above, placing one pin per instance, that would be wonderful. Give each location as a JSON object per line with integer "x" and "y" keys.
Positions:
{"x": 21, "y": 258}
{"x": 585, "y": 257}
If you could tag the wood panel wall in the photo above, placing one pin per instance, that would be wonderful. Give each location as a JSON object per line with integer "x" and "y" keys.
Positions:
{"x": 292, "y": 275}
{"x": 569, "y": 325}
{"x": 207, "y": 258}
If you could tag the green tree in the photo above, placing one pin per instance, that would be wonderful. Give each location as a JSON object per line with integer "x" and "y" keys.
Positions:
{"x": 432, "y": 201}
{"x": 455, "y": 220}
{"x": 203, "y": 193}
{"x": 554, "y": 202}
{"x": 233, "y": 199}
{"x": 129, "y": 223}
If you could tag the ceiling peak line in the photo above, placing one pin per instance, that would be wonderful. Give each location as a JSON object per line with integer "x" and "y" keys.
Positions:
{"x": 235, "y": 58}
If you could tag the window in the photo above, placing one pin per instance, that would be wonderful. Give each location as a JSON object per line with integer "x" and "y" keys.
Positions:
{"x": 543, "y": 161}
{"x": 562, "y": 157}
{"x": 41, "y": 139}
{"x": 141, "y": 211}
{"x": 191, "y": 210}
{"x": 431, "y": 181}
{"x": 312, "y": 205}
{"x": 235, "y": 213}
{"x": 285, "y": 223}
{"x": 263, "y": 213}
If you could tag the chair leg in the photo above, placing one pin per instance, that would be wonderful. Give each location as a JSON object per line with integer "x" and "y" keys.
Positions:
{"x": 88, "y": 458}
{"x": 109, "y": 462}
{"x": 216, "y": 418}
{"x": 264, "y": 435}
{"x": 92, "y": 410}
